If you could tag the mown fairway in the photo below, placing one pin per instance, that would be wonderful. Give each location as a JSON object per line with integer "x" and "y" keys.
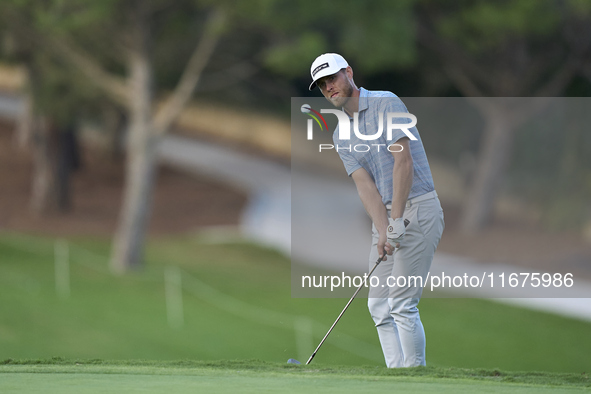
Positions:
{"x": 237, "y": 305}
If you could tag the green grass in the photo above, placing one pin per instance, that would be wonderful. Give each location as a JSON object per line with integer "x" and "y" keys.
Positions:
{"x": 255, "y": 376}
{"x": 237, "y": 305}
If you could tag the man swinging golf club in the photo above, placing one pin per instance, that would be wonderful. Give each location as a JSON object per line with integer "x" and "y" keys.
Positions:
{"x": 394, "y": 184}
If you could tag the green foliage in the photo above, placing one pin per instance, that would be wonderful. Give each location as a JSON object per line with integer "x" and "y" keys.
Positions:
{"x": 484, "y": 25}
{"x": 54, "y": 80}
{"x": 293, "y": 57}
{"x": 380, "y": 35}
{"x": 375, "y": 35}
{"x": 581, "y": 7}
{"x": 100, "y": 31}
{"x": 59, "y": 91}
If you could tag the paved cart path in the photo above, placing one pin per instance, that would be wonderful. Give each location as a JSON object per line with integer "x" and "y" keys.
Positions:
{"x": 312, "y": 206}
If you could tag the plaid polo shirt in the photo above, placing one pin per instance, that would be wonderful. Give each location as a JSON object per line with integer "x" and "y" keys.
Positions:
{"x": 377, "y": 160}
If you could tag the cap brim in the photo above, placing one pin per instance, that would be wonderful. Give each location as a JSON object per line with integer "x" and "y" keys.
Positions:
{"x": 322, "y": 75}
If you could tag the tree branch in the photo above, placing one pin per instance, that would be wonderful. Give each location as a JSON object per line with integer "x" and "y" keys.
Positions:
{"x": 536, "y": 69}
{"x": 452, "y": 54}
{"x": 228, "y": 76}
{"x": 576, "y": 33}
{"x": 463, "y": 83}
{"x": 561, "y": 78}
{"x": 587, "y": 71}
{"x": 192, "y": 73}
{"x": 114, "y": 86}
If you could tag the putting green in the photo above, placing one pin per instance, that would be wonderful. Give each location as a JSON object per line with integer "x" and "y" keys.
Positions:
{"x": 83, "y": 379}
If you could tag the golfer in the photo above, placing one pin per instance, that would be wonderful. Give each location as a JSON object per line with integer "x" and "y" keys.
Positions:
{"x": 394, "y": 182}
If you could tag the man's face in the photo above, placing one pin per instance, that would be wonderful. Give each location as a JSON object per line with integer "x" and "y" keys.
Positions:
{"x": 337, "y": 88}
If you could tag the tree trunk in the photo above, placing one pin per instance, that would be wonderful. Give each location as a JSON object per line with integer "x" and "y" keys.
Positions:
{"x": 140, "y": 162}
{"x": 43, "y": 165}
{"x": 145, "y": 129}
{"x": 55, "y": 156}
{"x": 24, "y": 124}
{"x": 494, "y": 156}
{"x": 114, "y": 123}
{"x": 68, "y": 160}
{"x": 501, "y": 119}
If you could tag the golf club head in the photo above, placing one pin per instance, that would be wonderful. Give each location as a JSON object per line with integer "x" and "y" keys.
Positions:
{"x": 293, "y": 361}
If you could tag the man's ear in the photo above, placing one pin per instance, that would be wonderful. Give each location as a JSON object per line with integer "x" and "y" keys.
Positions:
{"x": 349, "y": 72}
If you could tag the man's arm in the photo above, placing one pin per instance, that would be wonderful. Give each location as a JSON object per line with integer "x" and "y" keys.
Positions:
{"x": 402, "y": 176}
{"x": 372, "y": 201}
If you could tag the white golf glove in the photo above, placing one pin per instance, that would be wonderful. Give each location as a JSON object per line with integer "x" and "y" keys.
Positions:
{"x": 395, "y": 231}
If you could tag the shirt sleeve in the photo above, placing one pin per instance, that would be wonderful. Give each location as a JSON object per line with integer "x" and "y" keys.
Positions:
{"x": 394, "y": 104}
{"x": 351, "y": 164}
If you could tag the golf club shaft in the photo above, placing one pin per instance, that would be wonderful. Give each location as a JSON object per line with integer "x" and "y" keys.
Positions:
{"x": 384, "y": 256}
{"x": 344, "y": 309}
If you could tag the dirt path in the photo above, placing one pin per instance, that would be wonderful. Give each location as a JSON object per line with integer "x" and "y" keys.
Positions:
{"x": 181, "y": 202}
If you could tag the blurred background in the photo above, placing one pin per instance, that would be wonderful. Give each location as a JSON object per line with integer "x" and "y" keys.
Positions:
{"x": 145, "y": 151}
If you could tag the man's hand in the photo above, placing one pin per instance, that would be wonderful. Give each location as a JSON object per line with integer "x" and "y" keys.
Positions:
{"x": 395, "y": 232}
{"x": 384, "y": 245}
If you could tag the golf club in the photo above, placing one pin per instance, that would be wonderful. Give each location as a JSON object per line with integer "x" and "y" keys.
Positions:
{"x": 293, "y": 360}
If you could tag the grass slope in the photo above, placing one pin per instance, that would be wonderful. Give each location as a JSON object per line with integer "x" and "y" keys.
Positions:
{"x": 237, "y": 305}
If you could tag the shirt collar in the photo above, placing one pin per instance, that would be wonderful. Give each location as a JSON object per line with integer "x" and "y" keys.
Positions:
{"x": 363, "y": 95}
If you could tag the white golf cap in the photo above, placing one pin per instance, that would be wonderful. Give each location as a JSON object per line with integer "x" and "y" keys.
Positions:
{"x": 326, "y": 64}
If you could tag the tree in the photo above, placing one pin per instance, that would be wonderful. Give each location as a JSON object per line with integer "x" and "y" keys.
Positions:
{"x": 503, "y": 49}
{"x": 47, "y": 125}
{"x": 364, "y": 32}
{"x": 124, "y": 33}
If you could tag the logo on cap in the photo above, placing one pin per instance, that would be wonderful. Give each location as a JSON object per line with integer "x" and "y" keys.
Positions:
{"x": 321, "y": 67}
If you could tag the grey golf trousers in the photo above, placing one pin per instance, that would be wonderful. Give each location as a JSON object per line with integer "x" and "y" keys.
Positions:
{"x": 394, "y": 309}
